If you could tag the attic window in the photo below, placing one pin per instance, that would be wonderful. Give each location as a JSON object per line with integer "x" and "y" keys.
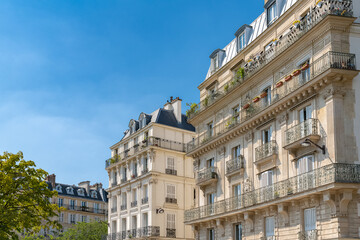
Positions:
{"x": 215, "y": 63}
{"x": 216, "y": 58}
{"x": 58, "y": 189}
{"x": 143, "y": 121}
{"x": 81, "y": 192}
{"x": 94, "y": 194}
{"x": 241, "y": 41}
{"x": 133, "y": 127}
{"x": 271, "y": 12}
{"x": 70, "y": 190}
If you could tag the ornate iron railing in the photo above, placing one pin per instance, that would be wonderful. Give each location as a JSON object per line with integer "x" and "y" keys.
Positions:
{"x": 151, "y": 141}
{"x": 307, "y": 128}
{"x": 144, "y": 200}
{"x": 171, "y": 233}
{"x": 330, "y": 7}
{"x": 171, "y": 171}
{"x": 332, "y": 173}
{"x": 84, "y": 209}
{"x": 150, "y": 231}
{"x": 308, "y": 235}
{"x": 235, "y": 164}
{"x": 170, "y": 200}
{"x": 206, "y": 174}
{"x": 265, "y": 150}
{"x": 133, "y": 203}
{"x": 334, "y": 60}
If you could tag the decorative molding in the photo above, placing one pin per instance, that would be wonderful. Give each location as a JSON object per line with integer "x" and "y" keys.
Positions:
{"x": 283, "y": 211}
{"x": 346, "y": 198}
{"x": 249, "y": 220}
{"x": 333, "y": 91}
{"x": 249, "y": 136}
{"x": 329, "y": 199}
{"x": 283, "y": 118}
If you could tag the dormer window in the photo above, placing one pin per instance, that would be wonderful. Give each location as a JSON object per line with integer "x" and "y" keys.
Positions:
{"x": 70, "y": 190}
{"x": 215, "y": 63}
{"x": 216, "y": 58}
{"x": 241, "y": 41}
{"x": 93, "y": 194}
{"x": 81, "y": 192}
{"x": 271, "y": 11}
{"x": 58, "y": 189}
{"x": 133, "y": 127}
{"x": 242, "y": 35}
{"x": 143, "y": 122}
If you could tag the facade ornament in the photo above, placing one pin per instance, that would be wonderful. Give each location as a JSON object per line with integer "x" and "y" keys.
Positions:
{"x": 333, "y": 91}
{"x": 283, "y": 118}
{"x": 328, "y": 198}
{"x": 346, "y": 198}
{"x": 247, "y": 185}
{"x": 248, "y": 136}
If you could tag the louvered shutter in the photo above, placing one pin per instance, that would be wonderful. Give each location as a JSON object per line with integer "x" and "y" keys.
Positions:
{"x": 170, "y": 221}
{"x": 270, "y": 226}
{"x": 171, "y": 163}
{"x": 310, "y": 219}
{"x": 170, "y": 191}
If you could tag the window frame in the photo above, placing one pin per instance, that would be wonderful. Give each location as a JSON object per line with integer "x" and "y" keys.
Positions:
{"x": 272, "y": 9}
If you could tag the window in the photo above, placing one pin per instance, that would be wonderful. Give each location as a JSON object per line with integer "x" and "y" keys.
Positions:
{"x": 267, "y": 98}
{"x": 134, "y": 195}
{"x": 215, "y": 63}
{"x": 145, "y": 220}
{"x": 241, "y": 41}
{"x": 83, "y": 204}
{"x": 269, "y": 226}
{"x": 72, "y": 204}
{"x": 81, "y": 192}
{"x": 135, "y": 141}
{"x": 69, "y": 190}
{"x": 310, "y": 219}
{"x": 143, "y": 122}
{"x": 170, "y": 191}
{"x": 210, "y": 198}
{"x": 93, "y": 194}
{"x": 271, "y": 13}
{"x": 145, "y": 191}
{"x": 236, "y": 152}
{"x": 237, "y": 190}
{"x": 60, "y": 202}
{"x": 124, "y": 200}
{"x": 58, "y": 189}
{"x": 124, "y": 173}
{"x": 238, "y": 232}
{"x": 170, "y": 163}
{"x": 123, "y": 224}
{"x": 170, "y": 221}
{"x": 96, "y": 207}
{"x": 305, "y": 73}
{"x": 113, "y": 201}
{"x": 145, "y": 164}
{"x": 133, "y": 127}
{"x": 305, "y": 113}
{"x": 266, "y": 135}
{"x": 61, "y": 217}
{"x": 210, "y": 129}
{"x": 305, "y": 164}
{"x": 210, "y": 162}
{"x": 235, "y": 113}
{"x": 266, "y": 178}
{"x": 134, "y": 169}
{"x": 211, "y": 91}
{"x": 211, "y": 234}
{"x": 134, "y": 222}
{"x": 83, "y": 218}
{"x": 72, "y": 218}
{"x": 146, "y": 135}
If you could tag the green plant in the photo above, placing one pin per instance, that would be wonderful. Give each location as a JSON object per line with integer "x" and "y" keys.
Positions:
{"x": 240, "y": 73}
{"x": 226, "y": 87}
{"x": 276, "y": 194}
{"x": 206, "y": 101}
{"x": 193, "y": 109}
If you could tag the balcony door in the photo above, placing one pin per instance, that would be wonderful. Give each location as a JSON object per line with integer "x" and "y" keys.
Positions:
{"x": 310, "y": 223}
{"x": 237, "y": 196}
{"x": 210, "y": 163}
{"x": 305, "y": 167}
{"x": 266, "y": 181}
{"x": 238, "y": 232}
{"x": 304, "y": 116}
{"x": 210, "y": 202}
{"x": 266, "y": 135}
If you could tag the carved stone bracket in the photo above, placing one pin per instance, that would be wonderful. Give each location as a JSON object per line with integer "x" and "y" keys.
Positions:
{"x": 329, "y": 199}
{"x": 346, "y": 198}
{"x": 283, "y": 118}
{"x": 249, "y": 136}
{"x": 334, "y": 91}
{"x": 220, "y": 227}
{"x": 153, "y": 181}
{"x": 249, "y": 220}
{"x": 283, "y": 211}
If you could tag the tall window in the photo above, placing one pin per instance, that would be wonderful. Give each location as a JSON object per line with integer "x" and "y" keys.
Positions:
{"x": 124, "y": 199}
{"x": 61, "y": 217}
{"x": 60, "y": 202}
{"x": 84, "y": 218}
{"x": 305, "y": 113}
{"x": 310, "y": 219}
{"x": 146, "y": 135}
{"x": 145, "y": 162}
{"x": 305, "y": 164}
{"x": 271, "y": 13}
{"x": 241, "y": 41}
{"x": 134, "y": 222}
{"x": 124, "y": 173}
{"x": 170, "y": 191}
{"x": 236, "y": 151}
{"x": 145, "y": 220}
{"x": 210, "y": 198}
{"x": 215, "y": 62}
{"x": 210, "y": 129}
{"x": 210, "y": 162}
{"x": 170, "y": 163}
{"x": 211, "y": 234}
{"x": 134, "y": 170}
{"x": 72, "y": 218}
{"x": 238, "y": 232}
{"x": 269, "y": 226}
{"x": 145, "y": 191}
{"x": 235, "y": 112}
{"x": 123, "y": 224}
{"x": 134, "y": 195}
{"x": 305, "y": 74}
{"x": 266, "y": 178}
{"x": 266, "y": 135}
{"x": 237, "y": 190}
{"x": 72, "y": 204}
{"x": 170, "y": 225}
{"x": 143, "y": 122}
{"x": 267, "y": 99}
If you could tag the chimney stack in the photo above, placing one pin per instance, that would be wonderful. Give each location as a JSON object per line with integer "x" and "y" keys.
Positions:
{"x": 174, "y": 105}
{"x": 96, "y": 186}
{"x": 86, "y": 185}
{"x": 51, "y": 178}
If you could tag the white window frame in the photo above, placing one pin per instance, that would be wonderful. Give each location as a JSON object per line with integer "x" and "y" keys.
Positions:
{"x": 266, "y": 178}
{"x": 309, "y": 219}
{"x": 241, "y": 41}
{"x": 170, "y": 165}
{"x": 271, "y": 11}
{"x": 171, "y": 220}
{"x": 269, "y": 226}
{"x": 171, "y": 191}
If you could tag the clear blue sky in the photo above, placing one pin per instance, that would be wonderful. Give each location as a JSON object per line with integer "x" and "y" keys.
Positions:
{"x": 73, "y": 73}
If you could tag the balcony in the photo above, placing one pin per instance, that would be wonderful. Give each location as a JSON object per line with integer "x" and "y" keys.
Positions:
{"x": 145, "y": 171}
{"x": 207, "y": 176}
{"x": 133, "y": 233}
{"x": 123, "y": 180}
{"x": 150, "y": 231}
{"x": 295, "y": 135}
{"x": 330, "y": 60}
{"x": 123, "y": 207}
{"x": 145, "y": 200}
{"x": 265, "y": 155}
{"x": 150, "y": 142}
{"x": 343, "y": 9}
{"x": 84, "y": 209}
{"x": 171, "y": 233}
{"x": 329, "y": 174}
{"x": 171, "y": 200}
{"x": 113, "y": 209}
{"x": 235, "y": 166}
{"x": 133, "y": 203}
{"x": 308, "y": 235}
{"x": 113, "y": 184}
{"x": 171, "y": 171}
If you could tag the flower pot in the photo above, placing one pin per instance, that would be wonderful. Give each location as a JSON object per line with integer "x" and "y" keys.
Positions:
{"x": 296, "y": 73}
{"x": 279, "y": 84}
{"x": 263, "y": 94}
{"x": 288, "y": 78}
{"x": 246, "y": 106}
{"x": 256, "y": 99}
{"x": 305, "y": 66}
{"x": 319, "y": 3}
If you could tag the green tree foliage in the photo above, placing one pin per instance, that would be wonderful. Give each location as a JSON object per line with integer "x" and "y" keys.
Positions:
{"x": 86, "y": 231}
{"x": 24, "y": 198}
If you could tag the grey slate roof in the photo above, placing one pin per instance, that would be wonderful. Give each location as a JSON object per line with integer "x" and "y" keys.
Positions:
{"x": 101, "y": 194}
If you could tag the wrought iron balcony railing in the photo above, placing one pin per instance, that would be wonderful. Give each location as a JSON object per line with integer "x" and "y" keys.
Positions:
{"x": 332, "y": 173}
{"x": 308, "y": 235}
{"x": 150, "y": 231}
{"x": 170, "y": 171}
{"x": 170, "y": 232}
{"x": 133, "y": 203}
{"x": 206, "y": 175}
{"x": 330, "y": 60}
{"x": 84, "y": 209}
{"x": 123, "y": 207}
{"x": 113, "y": 209}
{"x": 343, "y": 8}
{"x": 302, "y": 130}
{"x": 145, "y": 200}
{"x": 235, "y": 165}
{"x": 170, "y": 200}
{"x": 265, "y": 150}
{"x": 151, "y": 141}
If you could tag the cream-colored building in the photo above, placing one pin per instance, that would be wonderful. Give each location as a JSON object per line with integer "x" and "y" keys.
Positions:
{"x": 151, "y": 181}
{"x": 81, "y": 203}
{"x": 277, "y": 146}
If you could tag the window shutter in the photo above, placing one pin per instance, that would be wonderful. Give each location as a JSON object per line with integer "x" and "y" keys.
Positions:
{"x": 170, "y": 191}
{"x": 171, "y": 163}
{"x": 170, "y": 221}
{"x": 310, "y": 219}
{"x": 270, "y": 177}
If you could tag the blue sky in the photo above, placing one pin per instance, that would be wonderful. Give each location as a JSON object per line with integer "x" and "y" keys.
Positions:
{"x": 73, "y": 73}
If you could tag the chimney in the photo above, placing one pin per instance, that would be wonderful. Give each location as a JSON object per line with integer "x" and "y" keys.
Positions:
{"x": 96, "y": 186}
{"x": 176, "y": 104}
{"x": 86, "y": 185}
{"x": 51, "y": 178}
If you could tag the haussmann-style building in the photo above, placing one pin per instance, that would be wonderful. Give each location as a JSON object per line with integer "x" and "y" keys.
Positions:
{"x": 277, "y": 146}
{"x": 151, "y": 181}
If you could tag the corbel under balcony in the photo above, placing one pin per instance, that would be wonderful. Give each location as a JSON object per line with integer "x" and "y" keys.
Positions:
{"x": 266, "y": 155}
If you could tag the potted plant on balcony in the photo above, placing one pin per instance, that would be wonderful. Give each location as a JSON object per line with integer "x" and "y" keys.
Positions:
{"x": 275, "y": 41}
{"x": 305, "y": 66}
{"x": 193, "y": 109}
{"x": 206, "y": 101}
{"x": 319, "y": 3}
{"x": 289, "y": 191}
{"x": 279, "y": 84}
{"x": 296, "y": 23}
{"x": 296, "y": 72}
{"x": 256, "y": 99}
{"x": 288, "y": 78}
{"x": 226, "y": 87}
{"x": 263, "y": 94}
{"x": 276, "y": 194}
{"x": 246, "y": 106}
{"x": 240, "y": 73}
